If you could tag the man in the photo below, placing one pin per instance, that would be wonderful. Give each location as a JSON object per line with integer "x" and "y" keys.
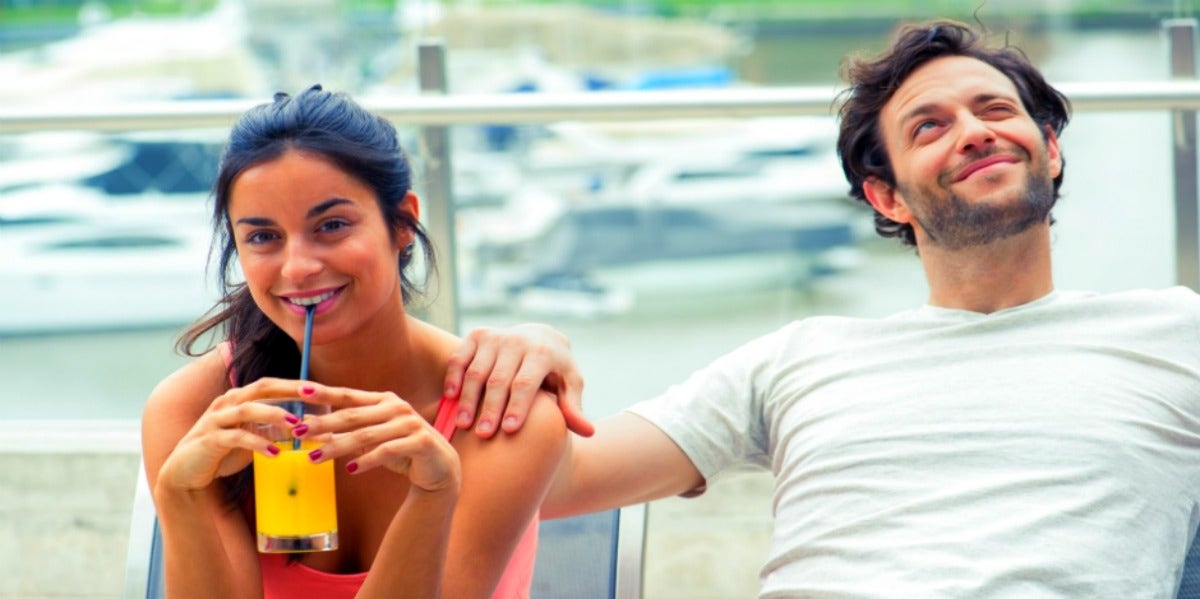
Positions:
{"x": 1006, "y": 439}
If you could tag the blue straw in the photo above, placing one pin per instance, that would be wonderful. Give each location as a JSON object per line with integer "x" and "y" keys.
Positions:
{"x": 308, "y": 324}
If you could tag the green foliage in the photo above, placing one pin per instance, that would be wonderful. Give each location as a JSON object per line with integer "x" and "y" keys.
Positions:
{"x": 45, "y": 11}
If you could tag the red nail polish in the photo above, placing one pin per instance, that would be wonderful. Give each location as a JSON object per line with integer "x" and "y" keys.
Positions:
{"x": 300, "y": 429}
{"x": 292, "y": 419}
{"x": 314, "y": 455}
{"x": 351, "y": 467}
{"x": 273, "y": 449}
{"x": 307, "y": 390}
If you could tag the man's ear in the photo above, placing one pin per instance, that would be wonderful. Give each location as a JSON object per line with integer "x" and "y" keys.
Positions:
{"x": 1053, "y": 153}
{"x": 885, "y": 200}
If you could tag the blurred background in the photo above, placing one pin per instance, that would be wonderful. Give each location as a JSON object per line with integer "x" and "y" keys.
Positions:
{"x": 655, "y": 245}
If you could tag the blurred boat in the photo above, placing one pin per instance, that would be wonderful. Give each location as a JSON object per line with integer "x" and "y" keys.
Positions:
{"x": 621, "y": 212}
{"x": 100, "y": 232}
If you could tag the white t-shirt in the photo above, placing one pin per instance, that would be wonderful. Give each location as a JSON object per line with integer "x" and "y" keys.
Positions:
{"x": 1047, "y": 450}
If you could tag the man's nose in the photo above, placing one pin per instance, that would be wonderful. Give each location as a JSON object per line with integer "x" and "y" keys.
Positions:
{"x": 974, "y": 134}
{"x": 300, "y": 261}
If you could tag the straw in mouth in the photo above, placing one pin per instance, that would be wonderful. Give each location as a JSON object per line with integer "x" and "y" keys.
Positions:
{"x": 308, "y": 324}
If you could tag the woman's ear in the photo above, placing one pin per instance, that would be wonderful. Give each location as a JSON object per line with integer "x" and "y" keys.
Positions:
{"x": 410, "y": 205}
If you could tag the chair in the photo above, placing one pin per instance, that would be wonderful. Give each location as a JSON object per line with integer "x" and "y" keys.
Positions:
{"x": 593, "y": 555}
{"x": 1189, "y": 584}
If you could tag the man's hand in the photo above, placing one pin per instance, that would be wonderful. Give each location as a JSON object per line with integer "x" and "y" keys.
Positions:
{"x": 506, "y": 367}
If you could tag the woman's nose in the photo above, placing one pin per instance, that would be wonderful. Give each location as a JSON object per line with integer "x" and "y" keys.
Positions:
{"x": 300, "y": 261}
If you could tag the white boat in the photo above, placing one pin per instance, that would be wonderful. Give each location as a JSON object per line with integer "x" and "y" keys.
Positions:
{"x": 638, "y": 210}
{"x": 140, "y": 266}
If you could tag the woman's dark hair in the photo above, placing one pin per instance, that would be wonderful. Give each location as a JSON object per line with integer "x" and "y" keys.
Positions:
{"x": 873, "y": 82}
{"x": 317, "y": 122}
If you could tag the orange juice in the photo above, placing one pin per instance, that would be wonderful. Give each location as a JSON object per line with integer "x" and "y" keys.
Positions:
{"x": 295, "y": 502}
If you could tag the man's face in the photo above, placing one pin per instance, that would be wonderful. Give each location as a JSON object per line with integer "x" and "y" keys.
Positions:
{"x": 971, "y": 166}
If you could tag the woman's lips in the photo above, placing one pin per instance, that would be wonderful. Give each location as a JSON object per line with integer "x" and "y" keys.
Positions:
{"x": 298, "y": 304}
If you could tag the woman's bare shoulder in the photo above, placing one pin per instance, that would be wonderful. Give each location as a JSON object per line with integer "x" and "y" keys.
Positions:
{"x": 182, "y": 396}
{"x": 542, "y": 436}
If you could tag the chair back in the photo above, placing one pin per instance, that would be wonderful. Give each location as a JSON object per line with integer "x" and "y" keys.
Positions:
{"x": 1189, "y": 583}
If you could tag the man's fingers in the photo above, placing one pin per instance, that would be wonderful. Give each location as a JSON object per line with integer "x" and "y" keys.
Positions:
{"x": 456, "y": 368}
{"x": 570, "y": 400}
{"x": 475, "y": 377}
{"x": 525, "y": 385}
{"x": 496, "y": 394}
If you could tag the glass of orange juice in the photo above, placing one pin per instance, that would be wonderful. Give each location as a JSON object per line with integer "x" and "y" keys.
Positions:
{"x": 294, "y": 500}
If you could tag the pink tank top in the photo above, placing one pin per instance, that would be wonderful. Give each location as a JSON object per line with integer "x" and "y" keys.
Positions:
{"x": 282, "y": 580}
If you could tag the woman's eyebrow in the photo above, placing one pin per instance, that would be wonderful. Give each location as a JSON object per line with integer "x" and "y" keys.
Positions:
{"x": 261, "y": 221}
{"x": 326, "y": 205}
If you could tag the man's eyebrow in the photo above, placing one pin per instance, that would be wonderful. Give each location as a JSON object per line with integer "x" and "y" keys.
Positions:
{"x": 930, "y": 107}
{"x": 985, "y": 98}
{"x": 319, "y": 209}
{"x": 918, "y": 111}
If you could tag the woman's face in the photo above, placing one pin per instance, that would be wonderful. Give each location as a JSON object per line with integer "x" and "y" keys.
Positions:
{"x": 307, "y": 233}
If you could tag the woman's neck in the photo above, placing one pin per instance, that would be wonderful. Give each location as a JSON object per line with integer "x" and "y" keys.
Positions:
{"x": 402, "y": 355}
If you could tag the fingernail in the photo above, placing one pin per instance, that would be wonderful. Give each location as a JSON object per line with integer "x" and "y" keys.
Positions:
{"x": 314, "y": 455}
{"x": 300, "y": 429}
{"x": 485, "y": 426}
{"x": 449, "y": 391}
{"x": 307, "y": 390}
{"x": 510, "y": 423}
{"x": 273, "y": 449}
{"x": 351, "y": 467}
{"x": 464, "y": 418}
{"x": 292, "y": 419}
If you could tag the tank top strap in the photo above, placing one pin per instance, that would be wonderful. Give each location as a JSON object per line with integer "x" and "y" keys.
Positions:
{"x": 444, "y": 421}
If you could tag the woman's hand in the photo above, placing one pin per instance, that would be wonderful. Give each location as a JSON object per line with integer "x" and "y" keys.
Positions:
{"x": 507, "y": 367}
{"x": 380, "y": 430}
{"x": 221, "y": 441}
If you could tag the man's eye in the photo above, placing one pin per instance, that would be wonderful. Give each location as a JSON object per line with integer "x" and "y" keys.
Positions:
{"x": 923, "y": 126}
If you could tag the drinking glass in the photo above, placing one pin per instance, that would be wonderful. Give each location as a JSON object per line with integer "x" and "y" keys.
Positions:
{"x": 294, "y": 499}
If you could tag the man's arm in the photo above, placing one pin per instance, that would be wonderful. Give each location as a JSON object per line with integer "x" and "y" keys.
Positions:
{"x": 628, "y": 460}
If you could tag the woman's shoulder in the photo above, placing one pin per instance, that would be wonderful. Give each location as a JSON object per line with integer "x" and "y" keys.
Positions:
{"x": 543, "y": 434}
{"x": 186, "y": 392}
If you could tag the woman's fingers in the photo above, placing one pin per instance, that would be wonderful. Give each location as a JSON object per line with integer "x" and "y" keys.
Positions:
{"x": 425, "y": 457}
{"x": 242, "y": 414}
{"x": 199, "y": 459}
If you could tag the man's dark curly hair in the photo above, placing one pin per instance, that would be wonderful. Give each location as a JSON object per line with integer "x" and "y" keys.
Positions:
{"x": 873, "y": 81}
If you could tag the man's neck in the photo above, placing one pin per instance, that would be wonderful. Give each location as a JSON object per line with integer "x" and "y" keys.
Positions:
{"x": 990, "y": 278}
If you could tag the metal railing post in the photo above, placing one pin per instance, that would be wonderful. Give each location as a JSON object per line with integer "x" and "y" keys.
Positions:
{"x": 1181, "y": 34}
{"x": 437, "y": 203}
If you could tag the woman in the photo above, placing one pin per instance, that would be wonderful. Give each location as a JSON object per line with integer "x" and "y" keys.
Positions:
{"x": 313, "y": 198}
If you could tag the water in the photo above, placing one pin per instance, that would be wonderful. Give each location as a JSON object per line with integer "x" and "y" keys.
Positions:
{"x": 1114, "y": 232}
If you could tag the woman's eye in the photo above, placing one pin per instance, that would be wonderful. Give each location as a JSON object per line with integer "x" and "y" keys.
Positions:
{"x": 330, "y": 226}
{"x": 259, "y": 237}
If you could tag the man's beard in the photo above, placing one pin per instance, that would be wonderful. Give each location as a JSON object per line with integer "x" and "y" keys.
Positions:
{"x": 955, "y": 224}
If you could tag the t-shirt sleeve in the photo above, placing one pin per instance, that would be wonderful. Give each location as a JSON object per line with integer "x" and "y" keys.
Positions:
{"x": 716, "y": 415}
